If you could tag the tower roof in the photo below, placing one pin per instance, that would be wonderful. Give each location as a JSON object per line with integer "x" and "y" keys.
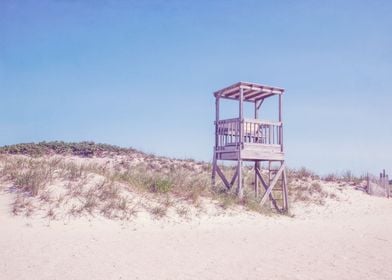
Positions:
{"x": 252, "y": 92}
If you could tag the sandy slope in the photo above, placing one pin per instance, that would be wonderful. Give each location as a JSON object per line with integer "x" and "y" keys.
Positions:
{"x": 349, "y": 239}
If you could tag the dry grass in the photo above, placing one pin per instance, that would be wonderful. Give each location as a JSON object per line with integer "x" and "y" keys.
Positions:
{"x": 159, "y": 211}
{"x": 28, "y": 175}
{"x": 183, "y": 211}
{"x": 50, "y": 182}
{"x": 312, "y": 193}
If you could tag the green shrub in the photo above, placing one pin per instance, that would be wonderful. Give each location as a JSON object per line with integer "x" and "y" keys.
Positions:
{"x": 161, "y": 186}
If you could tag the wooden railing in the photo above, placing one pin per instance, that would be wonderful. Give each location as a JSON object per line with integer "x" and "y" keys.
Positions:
{"x": 253, "y": 131}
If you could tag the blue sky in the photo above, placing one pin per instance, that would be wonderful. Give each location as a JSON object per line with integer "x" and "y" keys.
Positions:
{"x": 142, "y": 73}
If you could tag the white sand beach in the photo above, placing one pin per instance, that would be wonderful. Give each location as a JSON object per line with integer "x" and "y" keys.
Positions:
{"x": 346, "y": 239}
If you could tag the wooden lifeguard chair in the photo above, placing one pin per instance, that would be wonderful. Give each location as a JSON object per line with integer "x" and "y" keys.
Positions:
{"x": 252, "y": 140}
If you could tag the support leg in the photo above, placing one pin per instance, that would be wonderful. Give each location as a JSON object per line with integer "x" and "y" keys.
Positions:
{"x": 213, "y": 176}
{"x": 285, "y": 192}
{"x": 240, "y": 191}
{"x": 257, "y": 167}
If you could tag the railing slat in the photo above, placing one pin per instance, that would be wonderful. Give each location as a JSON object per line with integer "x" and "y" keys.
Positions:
{"x": 255, "y": 131}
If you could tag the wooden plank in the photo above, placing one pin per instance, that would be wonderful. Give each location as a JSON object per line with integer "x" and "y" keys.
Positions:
{"x": 228, "y": 120}
{"x": 233, "y": 179}
{"x": 264, "y": 122}
{"x": 226, "y": 89}
{"x": 253, "y": 92}
{"x": 285, "y": 192}
{"x": 260, "y": 154}
{"x": 213, "y": 175}
{"x": 240, "y": 191}
{"x": 258, "y": 103}
{"x": 272, "y": 148}
{"x": 272, "y": 185}
{"x": 280, "y": 120}
{"x": 261, "y": 94}
{"x": 217, "y": 122}
{"x": 266, "y": 188}
{"x": 257, "y": 96}
{"x": 214, "y": 160}
{"x": 248, "y": 84}
{"x": 220, "y": 173}
{"x": 228, "y": 156}
{"x": 257, "y": 166}
{"x": 241, "y": 139}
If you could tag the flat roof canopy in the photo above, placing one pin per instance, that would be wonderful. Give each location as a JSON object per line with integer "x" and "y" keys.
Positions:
{"x": 252, "y": 92}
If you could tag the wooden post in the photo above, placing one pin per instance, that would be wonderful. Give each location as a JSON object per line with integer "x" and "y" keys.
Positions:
{"x": 257, "y": 167}
{"x": 214, "y": 160}
{"x": 281, "y": 123}
{"x": 285, "y": 192}
{"x": 241, "y": 122}
{"x": 257, "y": 163}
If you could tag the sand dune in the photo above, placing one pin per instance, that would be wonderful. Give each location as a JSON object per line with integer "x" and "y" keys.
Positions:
{"x": 101, "y": 216}
{"x": 347, "y": 239}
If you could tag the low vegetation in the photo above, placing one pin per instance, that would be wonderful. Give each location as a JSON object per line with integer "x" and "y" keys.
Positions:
{"x": 84, "y": 149}
{"x": 57, "y": 179}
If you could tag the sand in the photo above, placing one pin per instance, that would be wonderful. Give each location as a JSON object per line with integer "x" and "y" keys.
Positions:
{"x": 346, "y": 239}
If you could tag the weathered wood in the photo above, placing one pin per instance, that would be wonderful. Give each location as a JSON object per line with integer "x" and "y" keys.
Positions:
{"x": 254, "y": 131}
{"x": 257, "y": 166}
{"x": 281, "y": 127}
{"x": 263, "y": 122}
{"x": 214, "y": 161}
{"x": 260, "y": 154}
{"x": 242, "y": 139}
{"x": 253, "y": 91}
{"x": 258, "y": 103}
{"x": 285, "y": 192}
{"x": 234, "y": 178}
{"x": 272, "y": 184}
{"x": 241, "y": 125}
{"x": 274, "y": 203}
{"x": 222, "y": 176}
{"x": 257, "y": 163}
{"x": 240, "y": 191}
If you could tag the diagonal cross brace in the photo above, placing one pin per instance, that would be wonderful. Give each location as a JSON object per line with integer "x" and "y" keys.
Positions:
{"x": 272, "y": 185}
{"x": 227, "y": 184}
{"x": 266, "y": 188}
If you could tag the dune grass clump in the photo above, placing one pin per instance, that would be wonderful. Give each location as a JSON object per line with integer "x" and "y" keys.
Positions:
{"x": 29, "y": 176}
{"x": 72, "y": 171}
{"x": 307, "y": 192}
{"x": 346, "y": 176}
{"x": 301, "y": 174}
{"x": 158, "y": 211}
{"x": 331, "y": 177}
{"x": 161, "y": 185}
{"x": 31, "y": 181}
{"x": 22, "y": 205}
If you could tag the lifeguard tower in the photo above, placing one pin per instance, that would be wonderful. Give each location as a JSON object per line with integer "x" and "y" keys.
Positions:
{"x": 252, "y": 140}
